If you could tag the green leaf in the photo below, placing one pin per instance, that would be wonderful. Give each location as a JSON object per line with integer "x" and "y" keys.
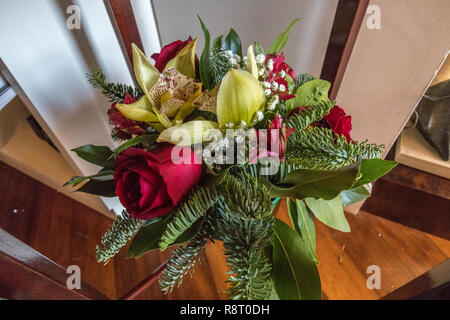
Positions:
{"x": 279, "y": 43}
{"x": 354, "y": 195}
{"x": 232, "y": 42}
{"x": 330, "y": 212}
{"x": 275, "y": 202}
{"x": 98, "y": 187}
{"x": 258, "y": 48}
{"x": 98, "y": 155}
{"x": 148, "y": 237}
{"x": 132, "y": 142}
{"x": 304, "y": 183}
{"x": 217, "y": 43}
{"x": 310, "y": 94}
{"x": 204, "y": 63}
{"x": 295, "y": 273}
{"x": 303, "y": 223}
{"x": 101, "y": 175}
{"x": 373, "y": 169}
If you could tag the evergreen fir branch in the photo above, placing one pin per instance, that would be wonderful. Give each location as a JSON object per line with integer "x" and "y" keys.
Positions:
{"x": 319, "y": 148}
{"x": 220, "y": 65}
{"x": 244, "y": 240}
{"x": 310, "y": 115}
{"x": 114, "y": 92}
{"x": 117, "y": 236}
{"x": 188, "y": 213}
{"x": 303, "y": 78}
{"x": 185, "y": 257}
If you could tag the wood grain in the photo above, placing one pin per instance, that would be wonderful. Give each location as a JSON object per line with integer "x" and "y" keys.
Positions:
{"x": 67, "y": 232}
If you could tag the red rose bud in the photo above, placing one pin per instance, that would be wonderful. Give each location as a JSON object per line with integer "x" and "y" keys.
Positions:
{"x": 124, "y": 127}
{"x": 339, "y": 122}
{"x": 168, "y": 52}
{"x": 149, "y": 184}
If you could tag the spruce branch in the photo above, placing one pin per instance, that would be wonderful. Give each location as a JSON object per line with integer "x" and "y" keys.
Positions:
{"x": 220, "y": 65}
{"x": 114, "y": 92}
{"x": 185, "y": 257}
{"x": 188, "y": 213}
{"x": 303, "y": 78}
{"x": 117, "y": 236}
{"x": 310, "y": 115}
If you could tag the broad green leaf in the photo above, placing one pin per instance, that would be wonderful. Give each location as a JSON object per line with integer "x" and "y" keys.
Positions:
{"x": 304, "y": 183}
{"x": 184, "y": 61}
{"x": 145, "y": 72}
{"x": 232, "y": 42}
{"x": 373, "y": 169}
{"x": 204, "y": 63}
{"x": 251, "y": 62}
{"x": 354, "y": 195}
{"x": 133, "y": 142}
{"x": 217, "y": 43}
{"x": 98, "y": 187}
{"x": 188, "y": 133}
{"x": 279, "y": 43}
{"x": 101, "y": 175}
{"x": 295, "y": 274}
{"x": 329, "y": 212}
{"x": 148, "y": 237}
{"x": 258, "y": 48}
{"x": 98, "y": 155}
{"x": 303, "y": 223}
{"x": 310, "y": 94}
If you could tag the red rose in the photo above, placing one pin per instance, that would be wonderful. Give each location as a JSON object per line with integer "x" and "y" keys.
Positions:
{"x": 149, "y": 184}
{"x": 339, "y": 122}
{"x": 168, "y": 52}
{"x": 124, "y": 127}
{"x": 280, "y": 66}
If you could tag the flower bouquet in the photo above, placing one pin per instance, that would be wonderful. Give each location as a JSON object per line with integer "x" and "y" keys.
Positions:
{"x": 209, "y": 148}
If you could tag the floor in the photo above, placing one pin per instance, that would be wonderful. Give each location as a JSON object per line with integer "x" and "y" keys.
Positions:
{"x": 67, "y": 232}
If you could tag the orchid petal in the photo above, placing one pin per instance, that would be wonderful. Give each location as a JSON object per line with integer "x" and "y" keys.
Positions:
{"x": 184, "y": 61}
{"x": 188, "y": 133}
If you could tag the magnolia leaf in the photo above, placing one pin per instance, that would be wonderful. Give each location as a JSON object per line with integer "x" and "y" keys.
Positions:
{"x": 373, "y": 169}
{"x": 184, "y": 61}
{"x": 240, "y": 97}
{"x": 279, "y": 43}
{"x": 310, "y": 94}
{"x": 354, "y": 195}
{"x": 101, "y": 175}
{"x": 303, "y": 223}
{"x": 304, "y": 183}
{"x": 204, "y": 63}
{"x": 104, "y": 188}
{"x": 258, "y": 48}
{"x": 232, "y": 42}
{"x": 294, "y": 273}
{"x": 188, "y": 133}
{"x": 251, "y": 62}
{"x": 329, "y": 212}
{"x": 140, "y": 110}
{"x": 145, "y": 72}
{"x": 98, "y": 155}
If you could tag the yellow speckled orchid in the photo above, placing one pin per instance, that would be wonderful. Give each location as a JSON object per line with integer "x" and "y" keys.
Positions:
{"x": 168, "y": 97}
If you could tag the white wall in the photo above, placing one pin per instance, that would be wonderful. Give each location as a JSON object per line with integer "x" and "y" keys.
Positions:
{"x": 260, "y": 20}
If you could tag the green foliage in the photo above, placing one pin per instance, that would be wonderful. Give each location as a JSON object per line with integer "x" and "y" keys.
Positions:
{"x": 148, "y": 139}
{"x": 117, "y": 236}
{"x": 204, "y": 63}
{"x": 258, "y": 48}
{"x": 295, "y": 274}
{"x": 244, "y": 240}
{"x": 320, "y": 148}
{"x": 115, "y": 92}
{"x": 279, "y": 43}
{"x": 354, "y": 195}
{"x": 220, "y": 65}
{"x": 329, "y": 212}
{"x": 232, "y": 42}
{"x": 98, "y": 155}
{"x": 309, "y": 94}
{"x": 186, "y": 214}
{"x": 185, "y": 258}
{"x": 103, "y": 174}
{"x": 104, "y": 188}
{"x": 309, "y": 115}
{"x": 373, "y": 169}
{"x": 303, "y": 78}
